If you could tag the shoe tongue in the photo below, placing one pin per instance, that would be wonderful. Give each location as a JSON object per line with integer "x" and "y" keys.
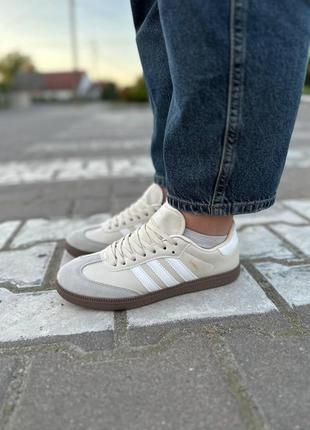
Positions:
{"x": 168, "y": 220}
{"x": 153, "y": 195}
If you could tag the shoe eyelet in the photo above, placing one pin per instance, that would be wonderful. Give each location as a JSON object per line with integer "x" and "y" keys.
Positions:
{"x": 144, "y": 255}
{"x": 175, "y": 244}
{"x": 146, "y": 214}
{"x": 131, "y": 219}
{"x": 173, "y": 252}
{"x": 165, "y": 248}
{"x": 134, "y": 259}
{"x": 154, "y": 251}
{"x": 123, "y": 223}
{"x": 123, "y": 264}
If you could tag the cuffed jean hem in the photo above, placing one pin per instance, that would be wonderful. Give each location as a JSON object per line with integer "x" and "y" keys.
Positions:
{"x": 160, "y": 180}
{"x": 233, "y": 208}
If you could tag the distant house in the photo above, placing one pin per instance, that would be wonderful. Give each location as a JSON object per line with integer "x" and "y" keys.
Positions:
{"x": 56, "y": 86}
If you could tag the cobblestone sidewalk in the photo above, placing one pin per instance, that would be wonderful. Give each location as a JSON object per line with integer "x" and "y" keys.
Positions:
{"x": 275, "y": 250}
{"x": 233, "y": 358}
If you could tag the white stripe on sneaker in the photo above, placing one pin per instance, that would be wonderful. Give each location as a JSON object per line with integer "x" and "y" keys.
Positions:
{"x": 181, "y": 269}
{"x": 162, "y": 273}
{"x": 145, "y": 279}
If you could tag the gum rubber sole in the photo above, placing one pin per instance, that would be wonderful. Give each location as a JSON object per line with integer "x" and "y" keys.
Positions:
{"x": 75, "y": 252}
{"x": 146, "y": 299}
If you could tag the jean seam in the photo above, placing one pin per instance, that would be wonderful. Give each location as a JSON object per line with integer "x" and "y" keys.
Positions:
{"x": 228, "y": 208}
{"x": 235, "y": 96}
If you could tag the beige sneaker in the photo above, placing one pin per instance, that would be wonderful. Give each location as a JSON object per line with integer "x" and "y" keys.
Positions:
{"x": 153, "y": 263}
{"x": 97, "y": 237}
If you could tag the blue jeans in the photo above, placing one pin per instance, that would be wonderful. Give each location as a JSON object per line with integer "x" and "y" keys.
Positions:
{"x": 224, "y": 79}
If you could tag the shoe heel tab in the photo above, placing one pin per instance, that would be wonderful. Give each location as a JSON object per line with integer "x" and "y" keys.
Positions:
{"x": 231, "y": 243}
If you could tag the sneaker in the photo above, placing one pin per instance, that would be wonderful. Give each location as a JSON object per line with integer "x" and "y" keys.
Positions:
{"x": 155, "y": 262}
{"x": 97, "y": 237}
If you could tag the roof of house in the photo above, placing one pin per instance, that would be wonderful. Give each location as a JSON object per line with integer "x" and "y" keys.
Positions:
{"x": 62, "y": 80}
{"x": 48, "y": 81}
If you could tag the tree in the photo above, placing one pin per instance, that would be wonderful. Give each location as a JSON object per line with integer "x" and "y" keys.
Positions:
{"x": 135, "y": 93}
{"x": 11, "y": 65}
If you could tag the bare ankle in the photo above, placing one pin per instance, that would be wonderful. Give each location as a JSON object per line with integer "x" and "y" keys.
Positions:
{"x": 212, "y": 225}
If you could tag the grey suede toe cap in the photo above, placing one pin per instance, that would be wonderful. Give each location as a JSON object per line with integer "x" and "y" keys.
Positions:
{"x": 78, "y": 240}
{"x": 70, "y": 277}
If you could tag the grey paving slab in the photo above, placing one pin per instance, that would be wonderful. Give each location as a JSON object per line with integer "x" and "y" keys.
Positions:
{"x": 304, "y": 314}
{"x": 27, "y": 267}
{"x": 243, "y": 296}
{"x": 6, "y": 231}
{"x": 258, "y": 242}
{"x": 300, "y": 206}
{"x": 7, "y": 368}
{"x": 293, "y": 282}
{"x": 65, "y": 258}
{"x": 36, "y": 230}
{"x": 271, "y": 323}
{"x": 278, "y": 376}
{"x": 138, "y": 166}
{"x": 276, "y": 213}
{"x": 298, "y": 236}
{"x": 36, "y": 208}
{"x": 87, "y": 206}
{"x": 178, "y": 386}
{"x": 33, "y": 315}
{"x": 70, "y": 169}
{"x": 132, "y": 187}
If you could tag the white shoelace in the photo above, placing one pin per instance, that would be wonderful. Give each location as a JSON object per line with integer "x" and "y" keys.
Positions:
{"x": 136, "y": 212}
{"x": 143, "y": 241}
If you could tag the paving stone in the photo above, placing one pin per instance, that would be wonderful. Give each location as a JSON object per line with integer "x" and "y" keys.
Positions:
{"x": 7, "y": 368}
{"x": 298, "y": 236}
{"x": 6, "y": 231}
{"x": 138, "y": 166}
{"x": 180, "y": 386}
{"x": 66, "y": 258}
{"x": 304, "y": 314}
{"x": 129, "y": 187}
{"x": 27, "y": 267}
{"x": 298, "y": 157}
{"x": 300, "y": 206}
{"x": 34, "y": 208}
{"x": 87, "y": 206}
{"x": 62, "y": 170}
{"x": 32, "y": 315}
{"x": 272, "y": 323}
{"x": 258, "y": 242}
{"x": 278, "y": 376}
{"x": 36, "y": 230}
{"x": 83, "y": 169}
{"x": 243, "y": 296}
{"x": 293, "y": 283}
{"x": 276, "y": 213}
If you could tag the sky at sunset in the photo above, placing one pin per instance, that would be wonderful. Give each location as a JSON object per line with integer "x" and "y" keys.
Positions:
{"x": 40, "y": 29}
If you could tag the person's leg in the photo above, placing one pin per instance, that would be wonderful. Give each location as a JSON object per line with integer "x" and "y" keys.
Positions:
{"x": 152, "y": 50}
{"x": 237, "y": 68}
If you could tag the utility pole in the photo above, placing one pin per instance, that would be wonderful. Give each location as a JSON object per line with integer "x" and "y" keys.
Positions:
{"x": 94, "y": 57}
{"x": 73, "y": 34}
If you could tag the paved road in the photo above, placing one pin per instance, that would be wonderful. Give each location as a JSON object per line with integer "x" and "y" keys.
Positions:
{"x": 235, "y": 358}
